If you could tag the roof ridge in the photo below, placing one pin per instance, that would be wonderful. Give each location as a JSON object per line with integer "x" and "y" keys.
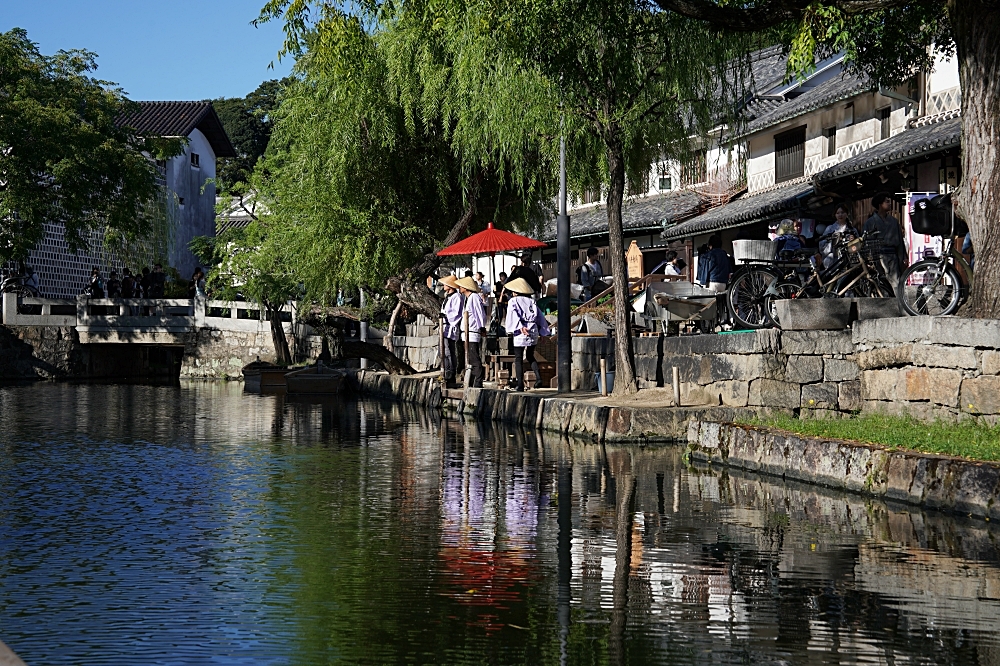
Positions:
{"x": 923, "y": 121}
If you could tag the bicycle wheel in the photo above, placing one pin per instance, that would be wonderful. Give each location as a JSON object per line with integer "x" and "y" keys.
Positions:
{"x": 745, "y": 298}
{"x": 928, "y": 288}
{"x": 782, "y": 290}
{"x": 875, "y": 286}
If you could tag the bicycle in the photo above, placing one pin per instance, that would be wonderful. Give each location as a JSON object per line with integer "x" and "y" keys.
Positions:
{"x": 938, "y": 285}
{"x": 748, "y": 287}
{"x": 857, "y": 272}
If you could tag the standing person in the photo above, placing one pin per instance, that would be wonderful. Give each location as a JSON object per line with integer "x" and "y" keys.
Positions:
{"x": 590, "y": 274}
{"x": 114, "y": 285}
{"x": 498, "y": 287}
{"x": 451, "y": 323}
{"x": 889, "y": 237}
{"x": 718, "y": 265}
{"x": 128, "y": 283}
{"x": 484, "y": 285}
{"x": 157, "y": 281}
{"x": 95, "y": 289}
{"x": 675, "y": 267}
{"x": 145, "y": 282}
{"x": 477, "y": 327}
{"x": 526, "y": 322}
{"x": 702, "y": 276}
{"x": 526, "y": 272}
{"x": 197, "y": 287}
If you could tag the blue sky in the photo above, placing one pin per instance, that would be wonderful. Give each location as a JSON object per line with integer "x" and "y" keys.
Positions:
{"x": 159, "y": 49}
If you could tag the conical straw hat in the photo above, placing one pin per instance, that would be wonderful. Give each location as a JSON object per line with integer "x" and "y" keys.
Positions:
{"x": 467, "y": 283}
{"x": 520, "y": 285}
{"x": 450, "y": 281}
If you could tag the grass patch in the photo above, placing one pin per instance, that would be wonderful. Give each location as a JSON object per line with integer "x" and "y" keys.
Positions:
{"x": 968, "y": 439}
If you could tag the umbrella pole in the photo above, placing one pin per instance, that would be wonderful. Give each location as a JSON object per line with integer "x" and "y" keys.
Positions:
{"x": 493, "y": 274}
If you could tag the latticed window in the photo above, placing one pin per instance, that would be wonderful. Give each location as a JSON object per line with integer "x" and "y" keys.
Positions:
{"x": 790, "y": 154}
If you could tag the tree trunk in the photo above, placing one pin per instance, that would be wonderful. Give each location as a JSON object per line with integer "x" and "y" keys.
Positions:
{"x": 377, "y": 353}
{"x": 976, "y": 25}
{"x": 282, "y": 355}
{"x": 390, "y": 336}
{"x": 625, "y": 484}
{"x": 625, "y": 383}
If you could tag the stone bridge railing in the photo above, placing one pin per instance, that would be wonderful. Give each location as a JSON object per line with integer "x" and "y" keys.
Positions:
{"x": 137, "y": 319}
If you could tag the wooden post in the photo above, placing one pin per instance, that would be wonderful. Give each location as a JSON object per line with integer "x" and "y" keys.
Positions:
{"x": 677, "y": 386}
{"x": 604, "y": 376}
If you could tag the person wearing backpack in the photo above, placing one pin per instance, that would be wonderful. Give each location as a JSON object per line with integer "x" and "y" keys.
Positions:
{"x": 526, "y": 323}
{"x": 589, "y": 275}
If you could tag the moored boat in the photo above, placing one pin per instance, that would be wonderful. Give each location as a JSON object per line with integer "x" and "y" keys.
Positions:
{"x": 314, "y": 379}
{"x": 263, "y": 376}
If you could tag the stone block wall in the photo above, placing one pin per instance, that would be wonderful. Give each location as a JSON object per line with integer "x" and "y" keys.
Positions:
{"x": 930, "y": 367}
{"x": 810, "y": 370}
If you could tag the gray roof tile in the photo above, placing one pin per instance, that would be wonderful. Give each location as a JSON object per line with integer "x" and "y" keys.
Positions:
{"x": 838, "y": 88}
{"x": 745, "y": 210}
{"x": 650, "y": 212}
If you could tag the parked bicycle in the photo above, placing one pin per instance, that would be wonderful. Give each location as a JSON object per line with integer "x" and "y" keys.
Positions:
{"x": 756, "y": 286}
{"x": 936, "y": 285}
{"x": 857, "y": 273}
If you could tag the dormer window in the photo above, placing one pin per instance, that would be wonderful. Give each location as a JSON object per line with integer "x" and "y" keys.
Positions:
{"x": 195, "y": 160}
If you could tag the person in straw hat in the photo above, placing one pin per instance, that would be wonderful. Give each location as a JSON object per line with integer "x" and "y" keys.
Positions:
{"x": 526, "y": 323}
{"x": 451, "y": 323}
{"x": 477, "y": 327}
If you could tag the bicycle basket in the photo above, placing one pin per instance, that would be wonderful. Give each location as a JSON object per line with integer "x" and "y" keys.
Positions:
{"x": 933, "y": 217}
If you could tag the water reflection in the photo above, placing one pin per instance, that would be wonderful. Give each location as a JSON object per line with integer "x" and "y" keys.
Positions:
{"x": 197, "y": 524}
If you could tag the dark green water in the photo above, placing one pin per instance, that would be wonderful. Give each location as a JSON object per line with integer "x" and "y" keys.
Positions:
{"x": 199, "y": 525}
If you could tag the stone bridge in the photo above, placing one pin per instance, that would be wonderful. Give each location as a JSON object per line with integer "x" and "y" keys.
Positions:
{"x": 143, "y": 338}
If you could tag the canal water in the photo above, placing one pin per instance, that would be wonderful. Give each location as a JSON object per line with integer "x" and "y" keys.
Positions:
{"x": 195, "y": 524}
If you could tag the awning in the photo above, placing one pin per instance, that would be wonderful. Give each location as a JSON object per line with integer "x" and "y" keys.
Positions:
{"x": 748, "y": 209}
{"x": 928, "y": 137}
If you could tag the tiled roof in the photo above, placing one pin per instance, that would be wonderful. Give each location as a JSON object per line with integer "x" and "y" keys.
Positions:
{"x": 650, "y": 212}
{"x": 905, "y": 146}
{"x": 837, "y": 89}
{"x": 179, "y": 119}
{"x": 745, "y": 210}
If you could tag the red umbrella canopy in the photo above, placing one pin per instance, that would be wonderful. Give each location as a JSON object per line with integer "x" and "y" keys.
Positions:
{"x": 491, "y": 241}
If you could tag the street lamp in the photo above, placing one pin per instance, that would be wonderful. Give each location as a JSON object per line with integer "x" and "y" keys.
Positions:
{"x": 564, "y": 341}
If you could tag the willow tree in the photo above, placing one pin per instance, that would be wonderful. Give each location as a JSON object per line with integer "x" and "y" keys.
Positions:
{"x": 890, "y": 41}
{"x": 367, "y": 172}
{"x": 627, "y": 83}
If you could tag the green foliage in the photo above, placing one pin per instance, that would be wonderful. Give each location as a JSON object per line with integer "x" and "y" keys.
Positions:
{"x": 968, "y": 439}
{"x": 248, "y": 122}
{"x": 63, "y": 155}
{"x": 241, "y": 265}
{"x": 372, "y": 161}
{"x": 889, "y": 44}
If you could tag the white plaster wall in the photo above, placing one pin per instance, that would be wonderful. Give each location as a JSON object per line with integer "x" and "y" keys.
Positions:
{"x": 944, "y": 75}
{"x": 197, "y": 188}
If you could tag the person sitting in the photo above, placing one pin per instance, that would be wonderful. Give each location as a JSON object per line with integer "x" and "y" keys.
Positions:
{"x": 841, "y": 228}
{"x": 483, "y": 283}
{"x": 675, "y": 267}
{"x": 787, "y": 241}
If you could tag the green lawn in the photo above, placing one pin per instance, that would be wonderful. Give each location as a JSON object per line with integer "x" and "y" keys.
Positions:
{"x": 968, "y": 439}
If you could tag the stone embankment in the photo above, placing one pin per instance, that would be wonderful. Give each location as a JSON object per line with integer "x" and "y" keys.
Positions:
{"x": 933, "y": 481}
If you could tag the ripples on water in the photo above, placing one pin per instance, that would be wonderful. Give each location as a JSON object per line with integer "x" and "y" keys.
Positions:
{"x": 195, "y": 524}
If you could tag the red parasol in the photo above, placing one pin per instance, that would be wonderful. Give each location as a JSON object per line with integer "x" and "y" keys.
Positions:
{"x": 491, "y": 241}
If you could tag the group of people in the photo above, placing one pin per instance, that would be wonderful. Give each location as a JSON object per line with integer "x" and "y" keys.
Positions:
{"x": 515, "y": 307}
{"x": 146, "y": 284}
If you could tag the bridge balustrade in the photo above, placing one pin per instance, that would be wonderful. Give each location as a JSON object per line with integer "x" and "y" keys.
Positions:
{"x": 124, "y": 315}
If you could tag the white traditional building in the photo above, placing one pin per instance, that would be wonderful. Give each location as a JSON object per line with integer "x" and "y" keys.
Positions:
{"x": 189, "y": 180}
